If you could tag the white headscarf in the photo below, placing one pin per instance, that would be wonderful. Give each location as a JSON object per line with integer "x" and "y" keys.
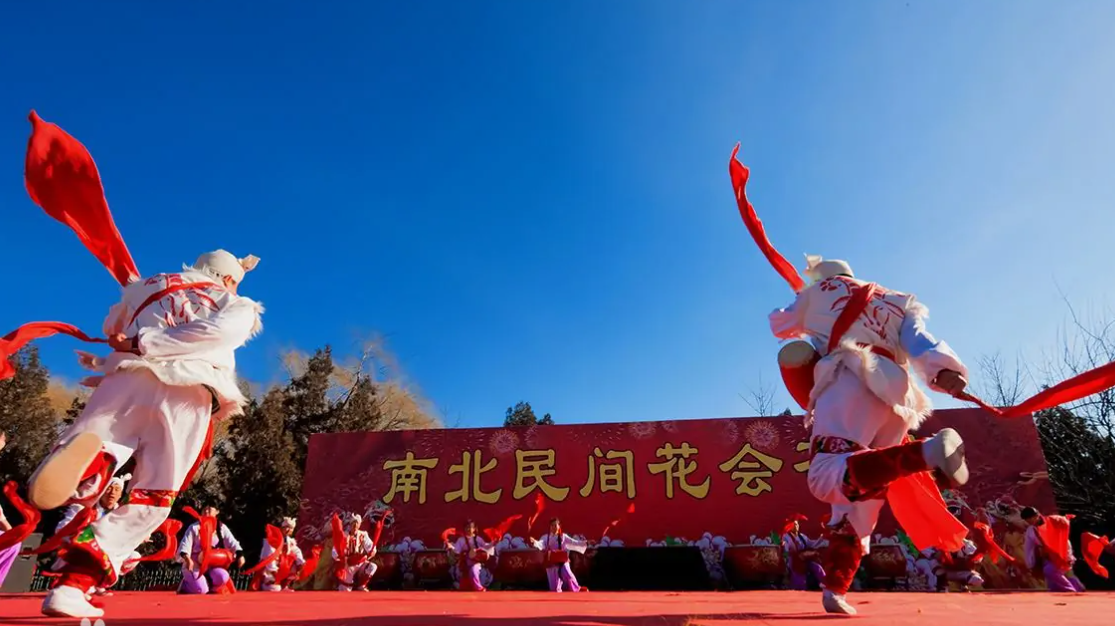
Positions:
{"x": 287, "y": 522}
{"x": 119, "y": 480}
{"x": 818, "y": 269}
{"x": 221, "y": 264}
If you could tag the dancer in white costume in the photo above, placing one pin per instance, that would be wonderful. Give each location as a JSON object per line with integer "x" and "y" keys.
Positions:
{"x": 557, "y": 545}
{"x": 109, "y": 501}
{"x": 357, "y": 568}
{"x": 863, "y": 403}
{"x": 172, "y": 373}
{"x": 289, "y": 550}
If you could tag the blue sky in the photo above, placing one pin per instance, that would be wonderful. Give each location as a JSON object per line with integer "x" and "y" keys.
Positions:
{"x": 531, "y": 199}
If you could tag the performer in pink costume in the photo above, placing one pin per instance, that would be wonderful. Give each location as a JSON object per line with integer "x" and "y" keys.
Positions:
{"x": 863, "y": 403}
{"x": 1054, "y": 562}
{"x": 172, "y": 373}
{"x": 472, "y": 552}
{"x": 557, "y": 545}
{"x": 802, "y": 555}
{"x": 215, "y": 579}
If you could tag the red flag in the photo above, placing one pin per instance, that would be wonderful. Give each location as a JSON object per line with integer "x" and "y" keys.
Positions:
{"x": 1092, "y": 546}
{"x": 1054, "y": 535}
{"x": 785, "y": 269}
{"x": 62, "y": 178}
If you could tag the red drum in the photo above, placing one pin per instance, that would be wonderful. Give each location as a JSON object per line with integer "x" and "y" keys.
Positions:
{"x": 797, "y": 360}
{"x": 479, "y": 556}
{"x": 557, "y": 557}
{"x": 220, "y": 557}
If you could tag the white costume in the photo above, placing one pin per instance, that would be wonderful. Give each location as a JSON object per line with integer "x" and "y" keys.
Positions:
{"x": 864, "y": 398}
{"x": 156, "y": 403}
{"x": 99, "y": 511}
{"x": 290, "y": 545}
{"x": 560, "y": 575}
{"x": 359, "y": 553}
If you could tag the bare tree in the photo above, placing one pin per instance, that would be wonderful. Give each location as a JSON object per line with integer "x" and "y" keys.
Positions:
{"x": 1077, "y": 439}
{"x": 761, "y": 399}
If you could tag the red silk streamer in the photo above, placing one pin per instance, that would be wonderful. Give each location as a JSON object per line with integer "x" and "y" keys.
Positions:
{"x": 1054, "y": 535}
{"x": 207, "y": 526}
{"x": 612, "y": 524}
{"x": 62, "y": 178}
{"x": 1080, "y": 386}
{"x": 788, "y": 525}
{"x": 379, "y": 529}
{"x": 539, "y": 505}
{"x": 276, "y": 541}
{"x": 447, "y": 533}
{"x": 785, "y": 269}
{"x": 497, "y": 533}
{"x": 14, "y": 341}
{"x": 85, "y": 517}
{"x": 310, "y": 566}
{"x": 986, "y": 544}
{"x": 340, "y": 544}
{"x": 169, "y": 530}
{"x": 30, "y": 515}
{"x": 1091, "y": 547}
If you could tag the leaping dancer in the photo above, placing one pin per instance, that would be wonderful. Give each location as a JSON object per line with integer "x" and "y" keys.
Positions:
{"x": 860, "y": 397}
{"x": 170, "y": 375}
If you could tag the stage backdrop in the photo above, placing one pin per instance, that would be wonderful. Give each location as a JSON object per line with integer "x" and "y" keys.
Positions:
{"x": 730, "y": 478}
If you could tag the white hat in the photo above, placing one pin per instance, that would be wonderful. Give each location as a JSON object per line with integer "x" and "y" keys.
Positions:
{"x": 224, "y": 265}
{"x": 119, "y": 480}
{"x": 288, "y": 522}
{"x": 818, "y": 269}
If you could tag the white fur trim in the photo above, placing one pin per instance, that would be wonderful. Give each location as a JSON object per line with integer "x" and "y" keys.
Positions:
{"x": 887, "y": 380}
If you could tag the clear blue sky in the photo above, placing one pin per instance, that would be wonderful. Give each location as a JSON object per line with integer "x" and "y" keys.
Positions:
{"x": 533, "y": 202}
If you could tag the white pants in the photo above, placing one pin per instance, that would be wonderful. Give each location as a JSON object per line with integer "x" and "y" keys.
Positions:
{"x": 367, "y": 569}
{"x": 847, "y": 409}
{"x": 165, "y": 428}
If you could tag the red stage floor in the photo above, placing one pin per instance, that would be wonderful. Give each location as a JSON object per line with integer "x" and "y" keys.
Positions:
{"x": 782, "y": 608}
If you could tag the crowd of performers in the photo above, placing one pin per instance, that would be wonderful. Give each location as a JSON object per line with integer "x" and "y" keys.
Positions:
{"x": 855, "y": 356}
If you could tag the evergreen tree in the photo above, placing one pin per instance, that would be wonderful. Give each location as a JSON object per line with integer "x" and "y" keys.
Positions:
{"x": 523, "y": 415}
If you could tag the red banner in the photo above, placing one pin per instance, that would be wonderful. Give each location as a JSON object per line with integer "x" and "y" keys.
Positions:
{"x": 733, "y": 478}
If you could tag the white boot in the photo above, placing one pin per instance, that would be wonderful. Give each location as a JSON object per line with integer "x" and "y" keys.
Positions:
{"x": 66, "y": 601}
{"x": 945, "y": 453}
{"x": 836, "y": 604}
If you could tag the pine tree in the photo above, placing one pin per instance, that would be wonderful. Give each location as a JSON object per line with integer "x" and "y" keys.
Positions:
{"x": 523, "y": 415}
{"x": 26, "y": 417}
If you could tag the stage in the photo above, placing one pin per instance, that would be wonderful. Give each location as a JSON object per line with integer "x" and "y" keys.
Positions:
{"x": 417, "y": 608}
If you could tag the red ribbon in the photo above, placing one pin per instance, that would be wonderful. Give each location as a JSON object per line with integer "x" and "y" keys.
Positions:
{"x": 497, "y": 533}
{"x": 1091, "y": 547}
{"x": 169, "y": 530}
{"x": 612, "y": 524}
{"x": 30, "y": 515}
{"x": 539, "y": 505}
{"x": 986, "y": 544}
{"x": 785, "y": 269}
{"x": 310, "y": 566}
{"x": 62, "y": 178}
{"x": 276, "y": 540}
